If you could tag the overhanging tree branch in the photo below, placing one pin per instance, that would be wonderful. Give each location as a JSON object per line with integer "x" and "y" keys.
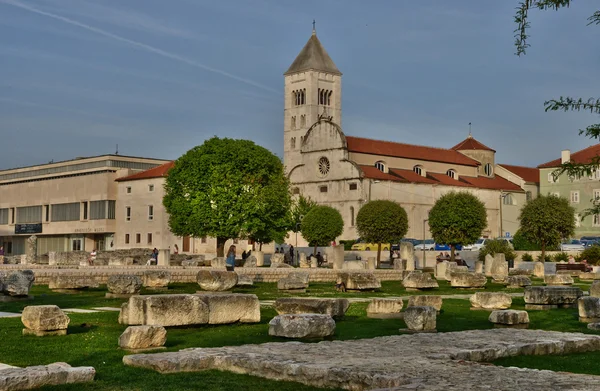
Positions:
{"x": 521, "y": 19}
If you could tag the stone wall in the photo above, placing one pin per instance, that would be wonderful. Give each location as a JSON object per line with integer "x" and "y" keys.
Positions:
{"x": 187, "y": 274}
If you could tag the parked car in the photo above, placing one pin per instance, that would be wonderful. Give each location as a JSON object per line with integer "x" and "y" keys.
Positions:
{"x": 445, "y": 247}
{"x": 396, "y": 246}
{"x": 478, "y": 245}
{"x": 589, "y": 243}
{"x": 572, "y": 245}
{"x": 360, "y": 245}
{"x": 592, "y": 238}
{"x": 428, "y": 245}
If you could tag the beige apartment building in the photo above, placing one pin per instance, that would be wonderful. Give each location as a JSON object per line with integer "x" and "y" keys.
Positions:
{"x": 346, "y": 172}
{"x": 69, "y": 205}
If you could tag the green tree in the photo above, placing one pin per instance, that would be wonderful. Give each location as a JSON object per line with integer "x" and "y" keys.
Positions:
{"x": 321, "y": 225}
{"x": 563, "y": 103}
{"x": 546, "y": 220}
{"x": 457, "y": 218}
{"x": 300, "y": 208}
{"x": 381, "y": 222}
{"x": 228, "y": 189}
{"x": 493, "y": 247}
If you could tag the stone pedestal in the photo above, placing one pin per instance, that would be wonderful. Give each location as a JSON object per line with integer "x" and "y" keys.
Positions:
{"x": 31, "y": 249}
{"x": 371, "y": 263}
{"x": 314, "y": 263}
{"x": 164, "y": 257}
{"x": 538, "y": 269}
{"x": 410, "y": 264}
{"x": 303, "y": 261}
{"x": 478, "y": 267}
{"x": 337, "y": 255}
{"x": 260, "y": 258}
{"x": 24, "y": 259}
{"x": 52, "y": 258}
{"x": 407, "y": 251}
{"x": 489, "y": 264}
{"x": 440, "y": 270}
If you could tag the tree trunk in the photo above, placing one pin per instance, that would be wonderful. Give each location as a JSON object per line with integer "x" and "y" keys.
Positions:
{"x": 452, "y": 253}
{"x": 543, "y": 252}
{"x": 221, "y": 247}
{"x": 259, "y": 246}
{"x": 315, "y": 250}
{"x": 378, "y": 254}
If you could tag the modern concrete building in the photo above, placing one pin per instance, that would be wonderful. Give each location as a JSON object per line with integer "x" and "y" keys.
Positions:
{"x": 581, "y": 192}
{"x": 68, "y": 205}
{"x": 346, "y": 172}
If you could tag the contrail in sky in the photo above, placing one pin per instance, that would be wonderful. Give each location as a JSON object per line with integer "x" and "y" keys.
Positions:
{"x": 137, "y": 44}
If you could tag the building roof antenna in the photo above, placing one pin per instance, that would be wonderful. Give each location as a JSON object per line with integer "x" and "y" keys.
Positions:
{"x": 470, "y": 135}
{"x": 117, "y": 151}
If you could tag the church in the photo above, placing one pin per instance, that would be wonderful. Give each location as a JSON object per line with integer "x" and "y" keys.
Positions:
{"x": 346, "y": 172}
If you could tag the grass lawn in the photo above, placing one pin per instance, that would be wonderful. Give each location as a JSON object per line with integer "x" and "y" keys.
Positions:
{"x": 92, "y": 338}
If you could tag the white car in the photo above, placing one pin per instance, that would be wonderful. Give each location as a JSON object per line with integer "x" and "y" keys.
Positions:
{"x": 428, "y": 245}
{"x": 572, "y": 245}
{"x": 478, "y": 245}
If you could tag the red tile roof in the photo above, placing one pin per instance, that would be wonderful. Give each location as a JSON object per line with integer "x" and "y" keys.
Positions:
{"x": 495, "y": 183}
{"x": 528, "y": 174}
{"x": 156, "y": 172}
{"x": 580, "y": 157}
{"x": 446, "y": 180}
{"x": 373, "y": 172}
{"x": 471, "y": 143}
{"x": 408, "y": 151}
{"x": 411, "y": 176}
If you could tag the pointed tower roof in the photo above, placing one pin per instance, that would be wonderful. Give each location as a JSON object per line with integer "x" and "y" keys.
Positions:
{"x": 313, "y": 56}
{"x": 471, "y": 143}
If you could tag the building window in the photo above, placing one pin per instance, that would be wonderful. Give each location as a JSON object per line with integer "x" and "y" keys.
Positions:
{"x": 299, "y": 97}
{"x": 85, "y": 210}
{"x": 552, "y": 178}
{"x": 12, "y": 215}
{"x": 203, "y": 240}
{"x": 380, "y": 166}
{"x": 507, "y": 199}
{"x": 323, "y": 166}
{"x": 150, "y": 187}
{"x": 65, "y": 212}
{"x": 149, "y": 238}
{"x": 76, "y": 245}
{"x": 293, "y": 122}
{"x": 418, "y": 170}
{"x": 126, "y": 238}
{"x": 575, "y": 197}
{"x": 293, "y": 142}
{"x": 4, "y": 216}
{"x": 353, "y": 186}
{"x": 352, "y": 216}
{"x": 150, "y": 212}
{"x": 489, "y": 170}
{"x": 324, "y": 97}
{"x": 596, "y": 221}
{"x": 128, "y": 213}
{"x": 47, "y": 213}
{"x": 128, "y": 189}
{"x": 596, "y": 199}
{"x": 528, "y": 196}
{"x": 451, "y": 174}
{"x": 302, "y": 121}
{"x": 323, "y": 189}
{"x": 138, "y": 238}
{"x": 31, "y": 214}
{"x": 296, "y": 190}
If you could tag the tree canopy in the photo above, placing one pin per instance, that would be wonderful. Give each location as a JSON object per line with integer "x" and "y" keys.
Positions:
{"x": 563, "y": 103}
{"x": 381, "y": 221}
{"x": 457, "y": 218}
{"x": 546, "y": 220}
{"x": 321, "y": 225}
{"x": 300, "y": 208}
{"x": 228, "y": 189}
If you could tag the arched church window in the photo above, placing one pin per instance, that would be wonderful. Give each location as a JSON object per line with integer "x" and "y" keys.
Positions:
{"x": 352, "y": 216}
{"x": 329, "y": 98}
{"x": 380, "y": 166}
{"x": 293, "y": 142}
{"x": 418, "y": 170}
{"x": 303, "y": 94}
{"x": 294, "y": 122}
{"x": 451, "y": 173}
{"x": 302, "y": 121}
{"x": 489, "y": 170}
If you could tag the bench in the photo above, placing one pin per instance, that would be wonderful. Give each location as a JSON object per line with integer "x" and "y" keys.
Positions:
{"x": 572, "y": 267}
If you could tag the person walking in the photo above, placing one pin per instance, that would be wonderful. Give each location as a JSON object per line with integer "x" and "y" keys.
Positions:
{"x": 291, "y": 255}
{"x": 230, "y": 261}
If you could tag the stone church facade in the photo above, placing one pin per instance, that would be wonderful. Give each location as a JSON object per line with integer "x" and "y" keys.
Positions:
{"x": 345, "y": 172}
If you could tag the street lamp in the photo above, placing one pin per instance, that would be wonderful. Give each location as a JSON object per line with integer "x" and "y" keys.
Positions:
{"x": 502, "y": 197}
{"x": 370, "y": 183}
{"x": 424, "y": 255}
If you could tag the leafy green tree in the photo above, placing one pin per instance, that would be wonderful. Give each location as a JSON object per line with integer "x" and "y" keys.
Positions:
{"x": 563, "y": 103}
{"x": 321, "y": 225}
{"x": 300, "y": 208}
{"x": 493, "y": 247}
{"x": 546, "y": 220}
{"x": 457, "y": 218}
{"x": 591, "y": 255}
{"x": 228, "y": 189}
{"x": 381, "y": 222}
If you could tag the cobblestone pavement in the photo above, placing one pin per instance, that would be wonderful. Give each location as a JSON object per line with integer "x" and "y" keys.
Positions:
{"x": 424, "y": 362}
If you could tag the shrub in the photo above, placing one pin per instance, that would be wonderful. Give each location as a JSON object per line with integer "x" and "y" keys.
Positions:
{"x": 545, "y": 259}
{"x": 560, "y": 257}
{"x": 522, "y": 244}
{"x": 496, "y": 247}
{"x": 591, "y": 255}
{"x": 347, "y": 244}
{"x": 526, "y": 257}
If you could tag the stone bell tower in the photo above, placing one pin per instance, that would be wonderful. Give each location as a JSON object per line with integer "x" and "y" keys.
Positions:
{"x": 313, "y": 88}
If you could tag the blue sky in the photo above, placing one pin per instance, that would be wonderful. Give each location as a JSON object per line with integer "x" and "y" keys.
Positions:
{"x": 158, "y": 77}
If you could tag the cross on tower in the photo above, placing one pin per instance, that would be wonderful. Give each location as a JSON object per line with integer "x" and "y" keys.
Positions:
{"x": 314, "y": 28}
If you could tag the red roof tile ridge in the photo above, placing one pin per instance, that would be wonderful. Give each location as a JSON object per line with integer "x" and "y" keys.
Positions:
{"x": 399, "y": 143}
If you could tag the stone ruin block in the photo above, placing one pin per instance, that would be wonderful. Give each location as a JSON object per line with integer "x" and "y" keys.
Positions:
{"x": 164, "y": 310}
{"x": 426, "y": 301}
{"x": 16, "y": 283}
{"x": 419, "y": 281}
{"x": 123, "y": 286}
{"x": 216, "y": 280}
{"x": 156, "y": 279}
{"x": 509, "y": 318}
{"x": 142, "y": 338}
{"x": 302, "y": 326}
{"x": 558, "y": 279}
{"x": 467, "y": 280}
{"x": 385, "y": 308}
{"x": 359, "y": 281}
{"x": 547, "y": 297}
{"x": 42, "y": 320}
{"x": 518, "y": 281}
{"x": 420, "y": 318}
{"x": 490, "y": 301}
{"x": 224, "y": 308}
{"x": 71, "y": 282}
{"x": 336, "y": 308}
{"x": 589, "y": 309}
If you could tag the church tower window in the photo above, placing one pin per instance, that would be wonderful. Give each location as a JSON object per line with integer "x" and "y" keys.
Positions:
{"x": 293, "y": 142}
{"x": 489, "y": 170}
{"x": 352, "y": 216}
{"x": 451, "y": 173}
{"x": 294, "y": 122}
{"x": 380, "y": 166}
{"x": 418, "y": 170}
{"x": 302, "y": 121}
